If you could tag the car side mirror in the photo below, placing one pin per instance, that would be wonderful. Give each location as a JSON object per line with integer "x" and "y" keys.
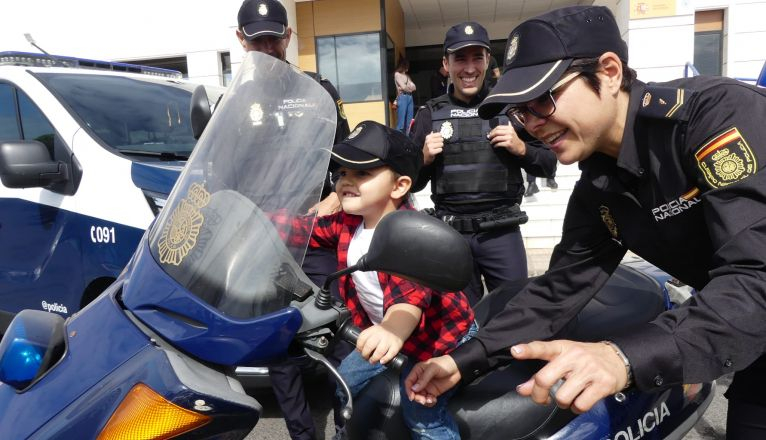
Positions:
{"x": 421, "y": 248}
{"x": 28, "y": 164}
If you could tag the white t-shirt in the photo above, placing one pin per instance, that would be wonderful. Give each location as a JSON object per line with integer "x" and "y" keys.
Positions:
{"x": 367, "y": 285}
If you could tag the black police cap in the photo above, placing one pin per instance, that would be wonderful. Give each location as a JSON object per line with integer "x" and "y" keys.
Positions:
{"x": 258, "y": 18}
{"x": 465, "y": 34}
{"x": 371, "y": 145}
{"x": 540, "y": 50}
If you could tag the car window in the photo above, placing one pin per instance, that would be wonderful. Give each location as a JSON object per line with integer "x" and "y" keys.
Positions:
{"x": 34, "y": 125}
{"x": 134, "y": 116}
{"x": 9, "y": 124}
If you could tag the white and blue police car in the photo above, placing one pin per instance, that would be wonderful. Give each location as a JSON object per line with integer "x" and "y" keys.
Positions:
{"x": 89, "y": 151}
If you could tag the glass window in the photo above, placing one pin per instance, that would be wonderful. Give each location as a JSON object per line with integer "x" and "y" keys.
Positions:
{"x": 9, "y": 126}
{"x": 708, "y": 41}
{"x": 226, "y": 68}
{"x": 352, "y": 64}
{"x": 34, "y": 125}
{"x": 139, "y": 117}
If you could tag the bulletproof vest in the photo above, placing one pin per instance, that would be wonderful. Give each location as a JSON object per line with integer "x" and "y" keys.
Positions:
{"x": 468, "y": 163}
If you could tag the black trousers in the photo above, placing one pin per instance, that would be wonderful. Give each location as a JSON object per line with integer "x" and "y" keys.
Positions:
{"x": 286, "y": 379}
{"x": 746, "y": 416}
{"x": 499, "y": 256}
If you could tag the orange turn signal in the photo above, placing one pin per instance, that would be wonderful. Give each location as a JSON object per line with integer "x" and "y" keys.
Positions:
{"x": 146, "y": 415}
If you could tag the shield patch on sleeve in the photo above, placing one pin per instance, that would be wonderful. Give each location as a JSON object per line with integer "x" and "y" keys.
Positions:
{"x": 726, "y": 158}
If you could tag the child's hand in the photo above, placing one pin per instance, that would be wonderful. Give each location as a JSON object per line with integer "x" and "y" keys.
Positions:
{"x": 378, "y": 344}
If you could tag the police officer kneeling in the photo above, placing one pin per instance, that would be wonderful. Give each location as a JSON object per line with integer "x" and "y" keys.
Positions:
{"x": 474, "y": 165}
{"x": 672, "y": 171}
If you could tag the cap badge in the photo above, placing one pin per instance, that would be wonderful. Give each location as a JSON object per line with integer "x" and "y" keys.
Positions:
{"x": 512, "y": 47}
{"x": 468, "y": 30}
{"x": 647, "y": 99}
{"x": 262, "y": 9}
{"x": 256, "y": 114}
{"x": 446, "y": 130}
{"x": 356, "y": 132}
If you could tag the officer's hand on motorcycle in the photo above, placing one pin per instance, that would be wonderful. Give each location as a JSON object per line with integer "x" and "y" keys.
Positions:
{"x": 591, "y": 371}
{"x": 431, "y": 378}
{"x": 505, "y": 136}
{"x": 378, "y": 344}
{"x": 433, "y": 145}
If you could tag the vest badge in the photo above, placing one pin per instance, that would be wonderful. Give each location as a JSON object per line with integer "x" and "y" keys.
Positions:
{"x": 446, "y": 130}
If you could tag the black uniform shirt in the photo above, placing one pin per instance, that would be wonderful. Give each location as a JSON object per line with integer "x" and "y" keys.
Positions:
{"x": 538, "y": 160}
{"x": 686, "y": 193}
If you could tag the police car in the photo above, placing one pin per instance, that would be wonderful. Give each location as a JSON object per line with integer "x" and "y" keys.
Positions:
{"x": 89, "y": 151}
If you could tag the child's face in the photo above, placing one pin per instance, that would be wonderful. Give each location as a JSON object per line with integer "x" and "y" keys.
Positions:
{"x": 365, "y": 192}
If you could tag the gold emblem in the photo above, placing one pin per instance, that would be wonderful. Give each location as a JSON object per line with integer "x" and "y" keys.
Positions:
{"x": 356, "y": 132}
{"x": 608, "y": 220}
{"x": 263, "y": 10}
{"x": 256, "y": 114}
{"x": 662, "y": 101}
{"x": 513, "y": 45}
{"x": 647, "y": 99}
{"x": 446, "y": 130}
{"x": 468, "y": 30}
{"x": 725, "y": 159}
{"x": 179, "y": 236}
{"x": 342, "y": 112}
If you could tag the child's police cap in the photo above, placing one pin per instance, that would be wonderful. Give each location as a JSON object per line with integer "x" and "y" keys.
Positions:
{"x": 465, "y": 34}
{"x": 372, "y": 144}
{"x": 540, "y": 50}
{"x": 258, "y": 18}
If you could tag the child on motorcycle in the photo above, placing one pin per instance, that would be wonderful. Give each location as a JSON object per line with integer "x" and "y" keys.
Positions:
{"x": 374, "y": 168}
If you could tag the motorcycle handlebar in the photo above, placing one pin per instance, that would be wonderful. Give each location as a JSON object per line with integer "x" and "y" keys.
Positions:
{"x": 349, "y": 332}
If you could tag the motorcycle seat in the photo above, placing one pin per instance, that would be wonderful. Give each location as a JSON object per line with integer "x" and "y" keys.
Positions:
{"x": 489, "y": 408}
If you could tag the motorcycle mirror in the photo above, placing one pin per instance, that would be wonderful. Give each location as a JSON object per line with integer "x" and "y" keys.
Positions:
{"x": 32, "y": 344}
{"x": 421, "y": 248}
{"x": 199, "y": 111}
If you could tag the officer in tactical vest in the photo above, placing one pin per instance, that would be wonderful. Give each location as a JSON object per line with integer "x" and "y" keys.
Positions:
{"x": 474, "y": 165}
{"x": 263, "y": 27}
{"x": 673, "y": 172}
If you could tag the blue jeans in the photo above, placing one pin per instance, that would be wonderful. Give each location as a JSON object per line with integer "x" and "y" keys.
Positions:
{"x": 424, "y": 422}
{"x": 404, "y": 111}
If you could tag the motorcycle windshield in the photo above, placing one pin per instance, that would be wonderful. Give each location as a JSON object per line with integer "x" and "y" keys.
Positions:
{"x": 235, "y": 229}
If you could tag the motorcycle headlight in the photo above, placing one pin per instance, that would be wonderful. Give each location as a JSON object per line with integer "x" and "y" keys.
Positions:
{"x": 144, "y": 414}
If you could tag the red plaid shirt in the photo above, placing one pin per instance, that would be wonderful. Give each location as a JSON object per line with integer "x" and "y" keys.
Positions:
{"x": 446, "y": 316}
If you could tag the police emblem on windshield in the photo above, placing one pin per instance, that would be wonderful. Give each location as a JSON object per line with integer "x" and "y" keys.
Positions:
{"x": 725, "y": 159}
{"x": 262, "y": 9}
{"x": 446, "y": 130}
{"x": 608, "y": 220}
{"x": 179, "y": 236}
{"x": 468, "y": 30}
{"x": 513, "y": 46}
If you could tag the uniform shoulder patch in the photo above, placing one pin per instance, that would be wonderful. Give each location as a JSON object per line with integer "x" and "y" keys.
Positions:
{"x": 726, "y": 158}
{"x": 662, "y": 102}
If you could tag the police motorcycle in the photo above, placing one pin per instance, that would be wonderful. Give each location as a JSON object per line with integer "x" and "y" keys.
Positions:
{"x": 216, "y": 283}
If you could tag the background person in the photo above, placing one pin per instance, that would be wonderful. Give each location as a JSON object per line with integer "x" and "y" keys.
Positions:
{"x": 439, "y": 81}
{"x": 404, "y": 88}
{"x": 695, "y": 144}
{"x": 474, "y": 166}
{"x": 263, "y": 27}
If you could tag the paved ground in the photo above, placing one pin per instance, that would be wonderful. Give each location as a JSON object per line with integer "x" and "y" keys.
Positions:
{"x": 272, "y": 426}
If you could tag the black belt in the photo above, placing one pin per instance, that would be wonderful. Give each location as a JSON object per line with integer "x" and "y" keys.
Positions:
{"x": 498, "y": 218}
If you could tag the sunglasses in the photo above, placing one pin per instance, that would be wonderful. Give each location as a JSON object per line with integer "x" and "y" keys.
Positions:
{"x": 544, "y": 105}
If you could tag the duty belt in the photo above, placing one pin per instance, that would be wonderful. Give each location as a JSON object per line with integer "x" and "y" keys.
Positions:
{"x": 498, "y": 218}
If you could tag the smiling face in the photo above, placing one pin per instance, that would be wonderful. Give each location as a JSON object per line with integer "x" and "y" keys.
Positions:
{"x": 584, "y": 121}
{"x": 467, "y": 68}
{"x": 370, "y": 193}
{"x": 268, "y": 44}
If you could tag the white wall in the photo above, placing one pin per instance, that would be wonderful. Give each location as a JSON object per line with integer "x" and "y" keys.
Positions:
{"x": 134, "y": 30}
{"x": 660, "y": 47}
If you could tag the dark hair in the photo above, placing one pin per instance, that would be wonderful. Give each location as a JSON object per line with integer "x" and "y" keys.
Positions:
{"x": 588, "y": 67}
{"x": 404, "y": 64}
